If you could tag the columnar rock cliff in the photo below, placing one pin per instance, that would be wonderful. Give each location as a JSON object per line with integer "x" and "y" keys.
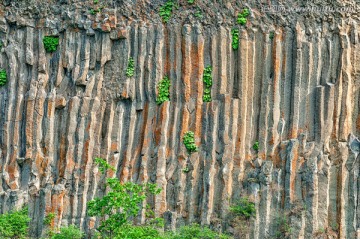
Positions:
{"x": 293, "y": 86}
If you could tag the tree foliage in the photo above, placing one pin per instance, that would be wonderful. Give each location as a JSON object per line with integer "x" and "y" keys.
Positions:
{"x": 123, "y": 200}
{"x": 15, "y": 224}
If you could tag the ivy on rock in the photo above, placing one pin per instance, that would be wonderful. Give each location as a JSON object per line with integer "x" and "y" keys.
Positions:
{"x": 3, "y": 77}
{"x": 163, "y": 91}
{"x": 189, "y": 142}
{"x": 50, "y": 43}
{"x": 207, "y": 79}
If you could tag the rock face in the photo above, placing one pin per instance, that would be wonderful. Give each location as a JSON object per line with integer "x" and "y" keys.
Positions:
{"x": 293, "y": 86}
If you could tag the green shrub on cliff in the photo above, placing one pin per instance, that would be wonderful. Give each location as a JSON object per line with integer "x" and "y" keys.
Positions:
{"x": 244, "y": 208}
{"x": 50, "y": 43}
{"x": 163, "y": 91}
{"x": 15, "y": 224}
{"x": 70, "y": 232}
{"x": 241, "y": 19}
{"x": 195, "y": 231}
{"x": 131, "y": 68}
{"x": 189, "y": 142}
{"x": 3, "y": 77}
{"x": 166, "y": 10}
{"x": 122, "y": 201}
{"x": 207, "y": 79}
{"x": 235, "y": 38}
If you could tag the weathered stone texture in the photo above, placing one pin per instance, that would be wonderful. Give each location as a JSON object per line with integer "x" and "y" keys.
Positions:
{"x": 296, "y": 93}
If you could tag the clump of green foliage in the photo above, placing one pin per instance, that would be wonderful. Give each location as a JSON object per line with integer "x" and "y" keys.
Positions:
{"x": 186, "y": 170}
{"x": 50, "y": 43}
{"x": 256, "y": 146}
{"x": 163, "y": 91}
{"x": 244, "y": 208}
{"x": 122, "y": 201}
{"x": 235, "y": 38}
{"x": 49, "y": 218}
{"x": 166, "y": 10}
{"x": 149, "y": 231}
{"x": 191, "y": 1}
{"x": 189, "y": 142}
{"x": 3, "y": 77}
{"x": 131, "y": 68}
{"x": 207, "y": 79}
{"x": 198, "y": 13}
{"x": 96, "y": 1}
{"x": 70, "y": 232}
{"x": 195, "y": 231}
{"x": 271, "y": 35}
{"x": 14, "y": 224}
{"x": 241, "y": 19}
{"x": 103, "y": 165}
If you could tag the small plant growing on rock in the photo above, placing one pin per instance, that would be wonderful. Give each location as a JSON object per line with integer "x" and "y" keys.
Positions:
{"x": 50, "y": 43}
{"x": 207, "y": 78}
{"x": 49, "y": 218}
{"x": 241, "y": 19}
{"x": 235, "y": 38}
{"x": 189, "y": 142}
{"x": 3, "y": 77}
{"x": 195, "y": 231}
{"x": 244, "y": 208}
{"x": 166, "y": 10}
{"x": 186, "y": 170}
{"x": 163, "y": 91}
{"x": 130, "y": 69}
{"x": 256, "y": 146}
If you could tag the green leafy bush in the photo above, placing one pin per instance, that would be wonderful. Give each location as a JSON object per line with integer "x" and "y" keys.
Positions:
{"x": 189, "y": 141}
{"x": 128, "y": 231}
{"x": 207, "y": 78}
{"x": 130, "y": 69}
{"x": 163, "y": 91}
{"x": 50, "y": 43}
{"x": 103, "y": 165}
{"x": 235, "y": 38}
{"x": 241, "y": 19}
{"x": 195, "y": 231}
{"x": 191, "y": 1}
{"x": 166, "y": 10}
{"x": 244, "y": 208}
{"x": 48, "y": 218}
{"x": 96, "y": 1}
{"x": 15, "y": 224}
{"x": 3, "y": 77}
{"x": 70, "y": 232}
{"x": 256, "y": 146}
{"x": 123, "y": 200}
